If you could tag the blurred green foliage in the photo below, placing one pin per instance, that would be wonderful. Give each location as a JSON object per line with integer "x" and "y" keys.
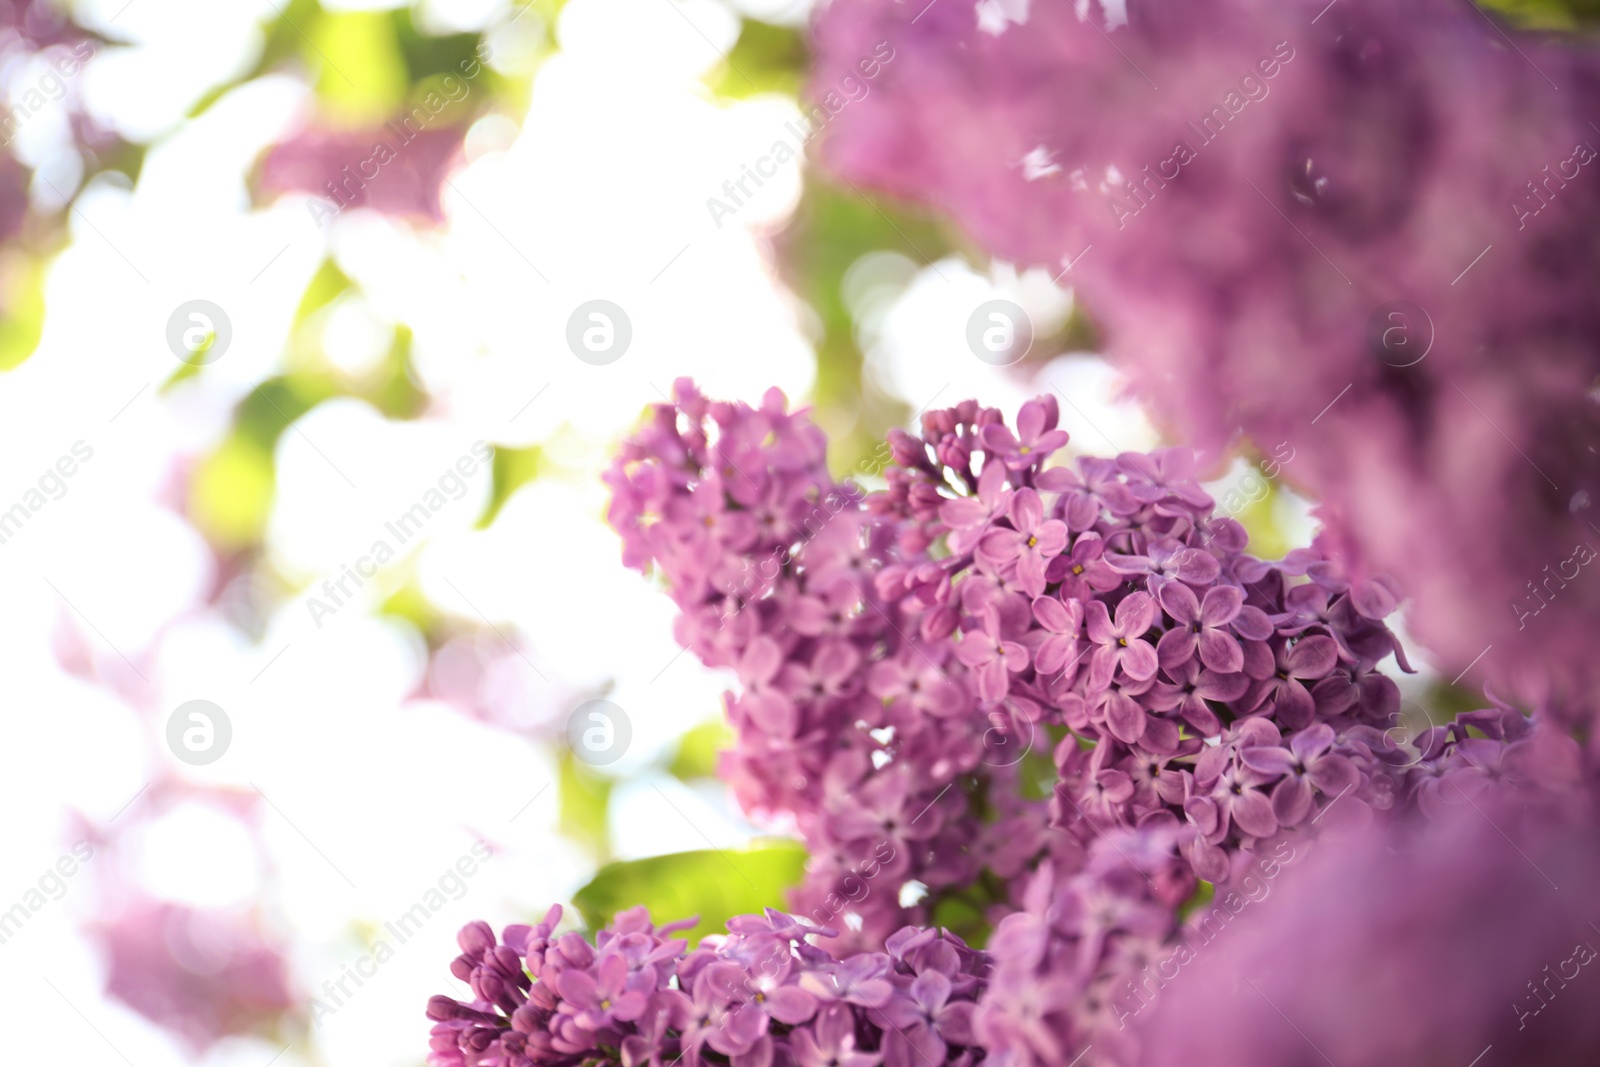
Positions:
{"x": 584, "y": 804}
{"x": 832, "y": 228}
{"x": 713, "y": 885}
{"x": 765, "y": 59}
{"x": 1547, "y": 14}
{"x": 697, "y": 751}
{"x": 513, "y": 468}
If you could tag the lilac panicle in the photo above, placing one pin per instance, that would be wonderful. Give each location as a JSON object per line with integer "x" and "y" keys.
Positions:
{"x": 762, "y": 994}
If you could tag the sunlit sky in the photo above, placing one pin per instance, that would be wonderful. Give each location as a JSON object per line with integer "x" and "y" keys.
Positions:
{"x": 597, "y": 192}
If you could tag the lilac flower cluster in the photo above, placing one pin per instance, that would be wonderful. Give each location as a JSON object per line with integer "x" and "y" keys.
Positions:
{"x": 764, "y": 994}
{"x": 1098, "y": 606}
{"x": 1059, "y": 962}
{"x": 1197, "y": 685}
{"x": 855, "y": 719}
{"x": 1206, "y": 707}
{"x": 1361, "y": 227}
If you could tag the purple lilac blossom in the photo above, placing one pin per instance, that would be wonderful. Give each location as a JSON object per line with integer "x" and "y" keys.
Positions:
{"x": 1174, "y": 764}
{"x": 1251, "y": 185}
{"x": 899, "y": 657}
{"x": 763, "y": 994}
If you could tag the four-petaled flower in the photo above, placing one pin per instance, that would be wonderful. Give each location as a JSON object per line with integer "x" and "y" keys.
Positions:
{"x": 1119, "y": 641}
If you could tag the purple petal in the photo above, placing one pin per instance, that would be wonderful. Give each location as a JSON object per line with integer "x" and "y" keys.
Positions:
{"x": 1135, "y": 614}
{"x": 1268, "y": 760}
{"x": 1253, "y": 814}
{"x": 1176, "y": 648}
{"x": 790, "y": 1005}
{"x": 1124, "y": 717}
{"x": 1027, "y": 511}
{"x": 1220, "y": 652}
{"x": 1222, "y": 604}
{"x": 1178, "y": 600}
{"x": 1291, "y": 801}
{"x": 1139, "y": 660}
{"x": 1053, "y": 615}
{"x": 1312, "y": 657}
{"x": 1312, "y": 741}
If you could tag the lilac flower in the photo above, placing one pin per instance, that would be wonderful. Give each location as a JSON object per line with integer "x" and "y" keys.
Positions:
{"x": 1283, "y": 694}
{"x": 919, "y": 682}
{"x": 990, "y": 656}
{"x": 1082, "y": 572}
{"x": 924, "y": 1022}
{"x": 601, "y": 1000}
{"x": 1084, "y": 496}
{"x": 1036, "y": 435}
{"x": 969, "y": 517}
{"x": 831, "y": 1042}
{"x": 758, "y": 996}
{"x": 1202, "y": 625}
{"x": 1191, "y": 692}
{"x": 877, "y": 668}
{"x": 1030, "y": 545}
{"x": 1119, "y": 644}
{"x": 1063, "y": 623}
{"x": 1307, "y": 766}
{"x": 1237, "y": 795}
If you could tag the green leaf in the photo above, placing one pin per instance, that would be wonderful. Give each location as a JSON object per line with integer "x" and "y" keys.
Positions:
{"x": 697, "y": 751}
{"x": 714, "y": 885}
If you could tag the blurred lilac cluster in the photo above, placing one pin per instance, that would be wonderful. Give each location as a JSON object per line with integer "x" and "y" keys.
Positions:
{"x": 1364, "y": 227}
{"x": 763, "y": 994}
{"x": 1404, "y": 947}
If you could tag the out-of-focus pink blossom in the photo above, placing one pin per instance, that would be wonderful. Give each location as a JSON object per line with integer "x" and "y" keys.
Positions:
{"x": 394, "y": 168}
{"x": 1475, "y": 939}
{"x": 1363, "y": 228}
{"x": 203, "y": 975}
